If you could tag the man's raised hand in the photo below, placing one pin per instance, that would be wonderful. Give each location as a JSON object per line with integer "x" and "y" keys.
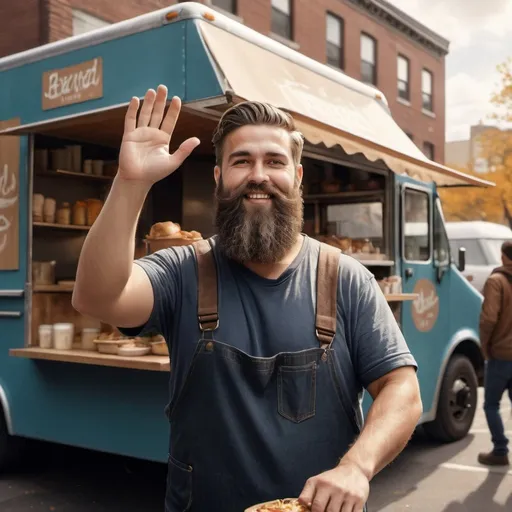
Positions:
{"x": 144, "y": 154}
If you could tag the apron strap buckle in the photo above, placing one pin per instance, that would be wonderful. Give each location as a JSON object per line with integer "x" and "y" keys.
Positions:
{"x": 208, "y": 322}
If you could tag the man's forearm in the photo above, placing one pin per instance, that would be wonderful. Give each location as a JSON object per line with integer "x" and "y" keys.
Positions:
{"x": 391, "y": 421}
{"x": 107, "y": 255}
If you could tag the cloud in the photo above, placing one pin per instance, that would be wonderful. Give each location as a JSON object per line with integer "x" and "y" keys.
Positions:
{"x": 468, "y": 102}
{"x": 461, "y": 21}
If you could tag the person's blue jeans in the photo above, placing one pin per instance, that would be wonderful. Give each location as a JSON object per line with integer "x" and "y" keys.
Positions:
{"x": 498, "y": 379}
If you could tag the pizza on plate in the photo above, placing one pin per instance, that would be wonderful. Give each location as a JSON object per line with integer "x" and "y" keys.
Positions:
{"x": 288, "y": 504}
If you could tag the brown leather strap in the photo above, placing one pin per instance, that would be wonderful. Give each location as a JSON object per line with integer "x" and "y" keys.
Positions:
{"x": 207, "y": 307}
{"x": 327, "y": 293}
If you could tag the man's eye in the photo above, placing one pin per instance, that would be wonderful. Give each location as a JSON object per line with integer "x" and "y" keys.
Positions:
{"x": 241, "y": 162}
{"x": 276, "y": 162}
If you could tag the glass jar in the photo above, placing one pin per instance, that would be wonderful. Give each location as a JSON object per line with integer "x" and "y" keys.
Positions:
{"x": 80, "y": 213}
{"x": 64, "y": 214}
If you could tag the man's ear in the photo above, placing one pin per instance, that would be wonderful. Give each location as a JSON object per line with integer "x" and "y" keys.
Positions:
{"x": 300, "y": 173}
{"x": 216, "y": 174}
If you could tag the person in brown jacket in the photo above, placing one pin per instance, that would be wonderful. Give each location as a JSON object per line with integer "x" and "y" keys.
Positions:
{"x": 496, "y": 342}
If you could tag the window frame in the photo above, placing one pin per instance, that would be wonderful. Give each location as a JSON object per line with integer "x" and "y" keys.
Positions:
{"x": 213, "y": 3}
{"x": 438, "y": 211}
{"x": 399, "y": 80}
{"x": 374, "y": 64}
{"x": 430, "y": 145}
{"x": 341, "y": 49}
{"x": 275, "y": 9}
{"x": 424, "y": 72}
{"x": 417, "y": 189}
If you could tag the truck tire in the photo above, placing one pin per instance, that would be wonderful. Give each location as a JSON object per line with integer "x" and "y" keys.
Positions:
{"x": 10, "y": 447}
{"x": 457, "y": 402}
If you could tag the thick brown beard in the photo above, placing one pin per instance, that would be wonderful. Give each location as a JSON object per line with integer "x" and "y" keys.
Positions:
{"x": 259, "y": 236}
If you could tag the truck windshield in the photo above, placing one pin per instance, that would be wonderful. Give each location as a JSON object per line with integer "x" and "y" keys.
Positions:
{"x": 494, "y": 250}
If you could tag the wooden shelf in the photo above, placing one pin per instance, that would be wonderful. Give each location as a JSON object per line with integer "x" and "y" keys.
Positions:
{"x": 150, "y": 362}
{"x": 71, "y": 174}
{"x": 401, "y": 297}
{"x": 52, "y": 288}
{"x": 61, "y": 226}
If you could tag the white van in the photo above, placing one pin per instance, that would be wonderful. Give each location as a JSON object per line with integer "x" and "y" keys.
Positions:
{"x": 482, "y": 241}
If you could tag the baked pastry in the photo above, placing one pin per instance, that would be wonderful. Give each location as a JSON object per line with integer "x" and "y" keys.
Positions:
{"x": 166, "y": 229}
{"x": 288, "y": 504}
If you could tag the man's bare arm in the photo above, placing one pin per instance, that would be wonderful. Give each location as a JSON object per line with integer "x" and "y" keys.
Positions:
{"x": 109, "y": 286}
{"x": 391, "y": 421}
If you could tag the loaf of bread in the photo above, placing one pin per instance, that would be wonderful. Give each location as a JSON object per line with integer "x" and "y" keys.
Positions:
{"x": 166, "y": 229}
{"x": 171, "y": 230}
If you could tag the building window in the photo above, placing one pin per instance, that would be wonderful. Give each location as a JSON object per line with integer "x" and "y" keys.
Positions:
{"x": 426, "y": 90}
{"x": 368, "y": 59}
{"x": 226, "y": 5}
{"x": 429, "y": 150}
{"x": 281, "y": 18}
{"x": 83, "y": 22}
{"x": 335, "y": 36}
{"x": 403, "y": 78}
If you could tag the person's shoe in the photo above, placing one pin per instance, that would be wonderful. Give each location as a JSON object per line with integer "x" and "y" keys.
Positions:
{"x": 491, "y": 459}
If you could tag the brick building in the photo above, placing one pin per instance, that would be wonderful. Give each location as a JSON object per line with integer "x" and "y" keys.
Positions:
{"x": 367, "y": 39}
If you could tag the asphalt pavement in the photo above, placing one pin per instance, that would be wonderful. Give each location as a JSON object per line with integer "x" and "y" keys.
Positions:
{"x": 426, "y": 477}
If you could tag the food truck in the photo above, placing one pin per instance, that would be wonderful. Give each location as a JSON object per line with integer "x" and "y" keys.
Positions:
{"x": 368, "y": 190}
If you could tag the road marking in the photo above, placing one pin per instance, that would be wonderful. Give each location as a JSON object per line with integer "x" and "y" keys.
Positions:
{"x": 486, "y": 431}
{"x": 477, "y": 469}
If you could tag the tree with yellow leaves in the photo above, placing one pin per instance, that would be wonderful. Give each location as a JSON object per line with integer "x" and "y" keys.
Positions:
{"x": 490, "y": 204}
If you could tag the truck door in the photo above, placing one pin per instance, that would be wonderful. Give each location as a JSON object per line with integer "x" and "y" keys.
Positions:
{"x": 13, "y": 238}
{"x": 425, "y": 264}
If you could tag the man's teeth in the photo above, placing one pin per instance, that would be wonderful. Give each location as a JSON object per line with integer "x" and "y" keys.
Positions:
{"x": 258, "y": 196}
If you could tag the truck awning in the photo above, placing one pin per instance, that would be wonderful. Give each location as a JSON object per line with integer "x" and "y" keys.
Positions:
{"x": 327, "y": 112}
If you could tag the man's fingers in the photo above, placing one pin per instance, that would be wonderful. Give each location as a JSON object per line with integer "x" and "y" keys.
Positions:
{"x": 171, "y": 117}
{"x": 307, "y": 494}
{"x": 130, "y": 119}
{"x": 348, "y": 506}
{"x": 335, "y": 503}
{"x": 158, "y": 110}
{"x": 321, "y": 500}
{"x": 179, "y": 156}
{"x": 147, "y": 108}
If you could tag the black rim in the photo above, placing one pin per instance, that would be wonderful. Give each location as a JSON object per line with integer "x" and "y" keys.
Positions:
{"x": 461, "y": 400}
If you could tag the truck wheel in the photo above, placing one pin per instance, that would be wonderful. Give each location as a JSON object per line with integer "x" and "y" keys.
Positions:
{"x": 457, "y": 402}
{"x": 10, "y": 447}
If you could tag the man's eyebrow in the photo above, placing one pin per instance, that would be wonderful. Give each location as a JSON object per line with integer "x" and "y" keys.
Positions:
{"x": 236, "y": 154}
{"x": 240, "y": 153}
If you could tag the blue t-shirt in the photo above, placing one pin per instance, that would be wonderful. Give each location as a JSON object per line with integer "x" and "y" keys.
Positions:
{"x": 263, "y": 317}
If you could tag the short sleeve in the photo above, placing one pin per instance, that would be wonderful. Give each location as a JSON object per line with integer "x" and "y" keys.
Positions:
{"x": 163, "y": 270}
{"x": 378, "y": 342}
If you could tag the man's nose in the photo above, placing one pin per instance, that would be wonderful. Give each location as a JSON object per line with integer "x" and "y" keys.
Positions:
{"x": 258, "y": 173}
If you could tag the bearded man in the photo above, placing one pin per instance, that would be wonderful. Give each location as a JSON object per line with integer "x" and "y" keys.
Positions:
{"x": 272, "y": 335}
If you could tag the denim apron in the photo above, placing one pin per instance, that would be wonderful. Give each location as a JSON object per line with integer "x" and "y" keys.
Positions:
{"x": 246, "y": 429}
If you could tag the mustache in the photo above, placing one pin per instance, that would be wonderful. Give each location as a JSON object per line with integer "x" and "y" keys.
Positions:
{"x": 236, "y": 195}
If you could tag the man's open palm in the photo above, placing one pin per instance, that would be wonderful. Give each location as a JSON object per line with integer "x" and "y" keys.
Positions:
{"x": 144, "y": 152}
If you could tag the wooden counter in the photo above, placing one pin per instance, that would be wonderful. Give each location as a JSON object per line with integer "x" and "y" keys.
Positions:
{"x": 149, "y": 362}
{"x": 401, "y": 297}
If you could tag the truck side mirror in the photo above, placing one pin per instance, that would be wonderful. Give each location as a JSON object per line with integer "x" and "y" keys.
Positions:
{"x": 462, "y": 259}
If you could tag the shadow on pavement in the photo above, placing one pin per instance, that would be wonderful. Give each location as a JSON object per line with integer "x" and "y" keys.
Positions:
{"x": 483, "y": 497}
{"x": 420, "y": 459}
{"x": 65, "y": 479}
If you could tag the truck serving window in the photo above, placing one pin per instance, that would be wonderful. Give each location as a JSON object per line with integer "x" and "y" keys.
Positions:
{"x": 416, "y": 226}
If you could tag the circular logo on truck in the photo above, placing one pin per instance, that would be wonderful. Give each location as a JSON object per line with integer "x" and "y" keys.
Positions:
{"x": 425, "y": 309}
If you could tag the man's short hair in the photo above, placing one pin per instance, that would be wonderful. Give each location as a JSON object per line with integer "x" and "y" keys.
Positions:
{"x": 506, "y": 249}
{"x": 256, "y": 113}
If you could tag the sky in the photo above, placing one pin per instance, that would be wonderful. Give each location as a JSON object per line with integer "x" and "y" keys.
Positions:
{"x": 480, "y": 35}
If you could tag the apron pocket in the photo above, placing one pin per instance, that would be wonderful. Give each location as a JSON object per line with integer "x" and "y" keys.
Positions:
{"x": 179, "y": 486}
{"x": 296, "y": 392}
